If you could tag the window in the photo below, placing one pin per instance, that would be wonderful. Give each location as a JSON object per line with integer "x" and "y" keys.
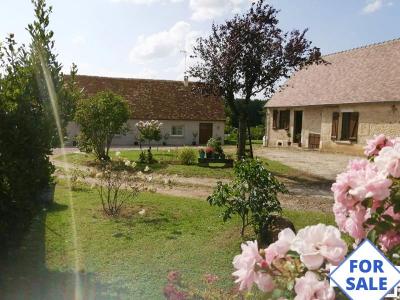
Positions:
{"x": 349, "y": 126}
{"x": 284, "y": 119}
{"x": 177, "y": 130}
{"x": 275, "y": 119}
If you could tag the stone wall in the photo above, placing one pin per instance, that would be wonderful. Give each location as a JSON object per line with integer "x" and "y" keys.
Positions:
{"x": 374, "y": 118}
{"x": 189, "y": 127}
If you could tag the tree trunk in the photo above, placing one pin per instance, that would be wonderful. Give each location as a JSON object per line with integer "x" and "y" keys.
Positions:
{"x": 241, "y": 151}
{"x": 250, "y": 143}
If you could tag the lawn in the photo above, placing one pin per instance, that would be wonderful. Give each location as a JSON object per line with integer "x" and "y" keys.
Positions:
{"x": 168, "y": 163}
{"x": 128, "y": 257}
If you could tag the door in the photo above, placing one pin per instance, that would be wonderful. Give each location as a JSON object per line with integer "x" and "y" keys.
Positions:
{"x": 313, "y": 141}
{"x": 205, "y": 132}
{"x": 298, "y": 126}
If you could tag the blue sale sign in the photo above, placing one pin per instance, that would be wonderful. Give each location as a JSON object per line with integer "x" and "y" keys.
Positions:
{"x": 366, "y": 274}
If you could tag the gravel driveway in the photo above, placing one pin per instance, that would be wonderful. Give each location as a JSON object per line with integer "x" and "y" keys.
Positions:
{"x": 321, "y": 164}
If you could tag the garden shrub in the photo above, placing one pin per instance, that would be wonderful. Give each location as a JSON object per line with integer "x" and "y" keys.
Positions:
{"x": 257, "y": 133}
{"x": 150, "y": 131}
{"x": 142, "y": 157}
{"x": 27, "y": 127}
{"x": 116, "y": 187}
{"x": 252, "y": 195}
{"x": 188, "y": 156}
{"x": 100, "y": 118}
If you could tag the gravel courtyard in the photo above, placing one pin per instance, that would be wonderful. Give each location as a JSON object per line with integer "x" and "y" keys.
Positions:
{"x": 321, "y": 164}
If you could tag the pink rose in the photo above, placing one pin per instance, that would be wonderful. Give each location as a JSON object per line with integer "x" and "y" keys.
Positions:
{"x": 354, "y": 224}
{"x": 388, "y": 160}
{"x": 245, "y": 264}
{"x": 281, "y": 246}
{"x": 264, "y": 282}
{"x": 376, "y": 144}
{"x": 317, "y": 243}
{"x": 391, "y": 213}
{"x": 309, "y": 287}
{"x": 361, "y": 180}
{"x": 389, "y": 240}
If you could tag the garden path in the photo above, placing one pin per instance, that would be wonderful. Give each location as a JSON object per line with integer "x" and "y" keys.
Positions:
{"x": 307, "y": 193}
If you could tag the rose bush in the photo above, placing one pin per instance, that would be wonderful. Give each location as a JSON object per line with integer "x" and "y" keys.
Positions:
{"x": 367, "y": 205}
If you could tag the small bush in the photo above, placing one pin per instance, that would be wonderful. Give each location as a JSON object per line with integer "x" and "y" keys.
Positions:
{"x": 257, "y": 133}
{"x": 188, "y": 156}
{"x": 252, "y": 195}
{"x": 115, "y": 188}
{"x": 142, "y": 158}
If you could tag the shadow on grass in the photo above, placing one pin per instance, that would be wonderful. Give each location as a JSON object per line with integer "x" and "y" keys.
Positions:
{"x": 24, "y": 274}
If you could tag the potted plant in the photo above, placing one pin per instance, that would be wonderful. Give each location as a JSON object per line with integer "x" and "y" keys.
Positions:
{"x": 209, "y": 152}
{"x": 298, "y": 137}
{"x": 195, "y": 133}
{"x": 166, "y": 137}
{"x": 289, "y": 136}
{"x": 202, "y": 153}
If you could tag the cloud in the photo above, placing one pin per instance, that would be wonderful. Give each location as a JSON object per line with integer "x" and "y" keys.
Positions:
{"x": 209, "y": 9}
{"x": 147, "y": 2}
{"x": 163, "y": 44}
{"x": 375, "y": 5}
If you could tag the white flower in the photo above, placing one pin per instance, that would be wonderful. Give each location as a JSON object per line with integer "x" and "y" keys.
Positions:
{"x": 127, "y": 163}
{"x": 146, "y": 169}
{"x": 142, "y": 212}
{"x": 317, "y": 243}
{"x": 133, "y": 164}
{"x": 118, "y": 153}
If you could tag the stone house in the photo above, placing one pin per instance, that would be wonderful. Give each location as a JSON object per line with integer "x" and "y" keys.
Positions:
{"x": 187, "y": 116}
{"x": 339, "y": 105}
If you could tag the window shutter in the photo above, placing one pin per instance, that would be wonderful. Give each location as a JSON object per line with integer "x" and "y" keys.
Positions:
{"x": 353, "y": 126}
{"x": 275, "y": 119}
{"x": 335, "y": 126}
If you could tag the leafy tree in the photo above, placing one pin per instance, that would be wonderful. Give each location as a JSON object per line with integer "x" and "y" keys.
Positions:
{"x": 150, "y": 130}
{"x": 100, "y": 118}
{"x": 248, "y": 55}
{"x": 27, "y": 127}
{"x": 252, "y": 195}
{"x": 44, "y": 57}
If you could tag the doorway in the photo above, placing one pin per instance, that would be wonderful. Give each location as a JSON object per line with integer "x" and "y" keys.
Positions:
{"x": 298, "y": 126}
{"x": 205, "y": 132}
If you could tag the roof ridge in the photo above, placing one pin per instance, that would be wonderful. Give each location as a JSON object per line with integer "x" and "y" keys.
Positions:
{"x": 127, "y": 78}
{"x": 364, "y": 47}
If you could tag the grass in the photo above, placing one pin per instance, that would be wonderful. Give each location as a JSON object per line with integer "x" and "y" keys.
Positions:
{"x": 168, "y": 164}
{"x": 128, "y": 257}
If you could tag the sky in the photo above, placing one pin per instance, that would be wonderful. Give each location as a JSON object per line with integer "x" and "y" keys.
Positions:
{"x": 145, "y": 38}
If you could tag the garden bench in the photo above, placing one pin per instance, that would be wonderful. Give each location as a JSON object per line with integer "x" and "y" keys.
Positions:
{"x": 204, "y": 162}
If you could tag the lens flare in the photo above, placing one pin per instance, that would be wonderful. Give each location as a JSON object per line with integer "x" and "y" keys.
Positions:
{"x": 54, "y": 106}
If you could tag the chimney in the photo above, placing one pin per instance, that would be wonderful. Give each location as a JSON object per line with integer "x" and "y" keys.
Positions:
{"x": 186, "y": 80}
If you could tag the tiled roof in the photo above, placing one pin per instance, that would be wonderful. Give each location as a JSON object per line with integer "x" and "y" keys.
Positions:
{"x": 366, "y": 74}
{"x": 158, "y": 99}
